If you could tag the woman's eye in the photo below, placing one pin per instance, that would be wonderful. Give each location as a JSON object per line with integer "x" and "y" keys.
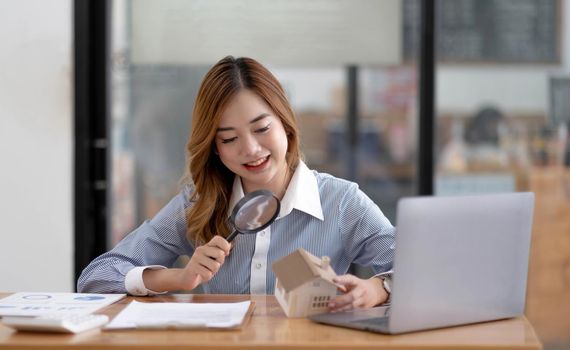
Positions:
{"x": 262, "y": 130}
{"x": 232, "y": 139}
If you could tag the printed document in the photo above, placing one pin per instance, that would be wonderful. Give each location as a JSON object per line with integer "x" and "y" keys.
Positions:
{"x": 156, "y": 315}
{"x": 40, "y": 303}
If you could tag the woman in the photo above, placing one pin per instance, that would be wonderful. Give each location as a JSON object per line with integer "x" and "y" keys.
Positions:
{"x": 244, "y": 138}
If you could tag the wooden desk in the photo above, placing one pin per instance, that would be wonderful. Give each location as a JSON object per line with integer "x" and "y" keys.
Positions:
{"x": 270, "y": 329}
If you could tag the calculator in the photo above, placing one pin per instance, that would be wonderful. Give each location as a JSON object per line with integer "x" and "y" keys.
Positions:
{"x": 70, "y": 323}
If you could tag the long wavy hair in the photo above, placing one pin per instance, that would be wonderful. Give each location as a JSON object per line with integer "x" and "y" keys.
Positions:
{"x": 212, "y": 181}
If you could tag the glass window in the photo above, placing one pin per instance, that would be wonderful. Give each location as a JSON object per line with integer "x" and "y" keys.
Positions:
{"x": 162, "y": 49}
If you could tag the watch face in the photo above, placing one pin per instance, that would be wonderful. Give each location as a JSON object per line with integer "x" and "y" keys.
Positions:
{"x": 387, "y": 285}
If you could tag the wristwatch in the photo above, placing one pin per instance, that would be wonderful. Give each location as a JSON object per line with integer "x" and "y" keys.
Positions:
{"x": 387, "y": 284}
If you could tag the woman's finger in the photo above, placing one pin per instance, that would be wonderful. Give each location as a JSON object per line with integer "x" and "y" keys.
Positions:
{"x": 209, "y": 263}
{"x": 346, "y": 280}
{"x": 352, "y": 299}
{"x": 203, "y": 272}
{"x": 212, "y": 253}
{"x": 221, "y": 243}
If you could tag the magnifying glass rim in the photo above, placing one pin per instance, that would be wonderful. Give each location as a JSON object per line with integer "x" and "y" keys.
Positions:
{"x": 245, "y": 199}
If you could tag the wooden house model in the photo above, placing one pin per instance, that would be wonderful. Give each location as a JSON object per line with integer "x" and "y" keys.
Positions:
{"x": 304, "y": 283}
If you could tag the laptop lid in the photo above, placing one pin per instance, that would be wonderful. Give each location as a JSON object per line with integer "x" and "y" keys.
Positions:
{"x": 460, "y": 260}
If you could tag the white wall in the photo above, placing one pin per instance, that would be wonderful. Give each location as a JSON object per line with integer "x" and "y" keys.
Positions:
{"x": 281, "y": 32}
{"x": 36, "y": 181}
{"x": 512, "y": 89}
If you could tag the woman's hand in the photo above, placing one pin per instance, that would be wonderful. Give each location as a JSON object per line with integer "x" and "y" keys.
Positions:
{"x": 205, "y": 263}
{"x": 360, "y": 293}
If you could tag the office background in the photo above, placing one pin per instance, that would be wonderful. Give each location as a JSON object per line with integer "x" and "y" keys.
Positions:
{"x": 152, "y": 85}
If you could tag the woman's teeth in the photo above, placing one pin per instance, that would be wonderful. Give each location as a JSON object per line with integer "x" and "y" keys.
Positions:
{"x": 257, "y": 162}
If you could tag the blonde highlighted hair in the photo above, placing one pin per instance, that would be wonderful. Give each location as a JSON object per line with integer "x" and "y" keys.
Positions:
{"x": 212, "y": 181}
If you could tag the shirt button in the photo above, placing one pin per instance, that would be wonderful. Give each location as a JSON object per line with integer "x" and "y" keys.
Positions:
{"x": 262, "y": 234}
{"x": 258, "y": 265}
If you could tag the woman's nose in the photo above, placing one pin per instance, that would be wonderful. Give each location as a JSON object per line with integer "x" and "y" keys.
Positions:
{"x": 250, "y": 146}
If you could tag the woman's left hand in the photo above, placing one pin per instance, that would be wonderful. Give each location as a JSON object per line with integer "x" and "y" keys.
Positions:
{"x": 360, "y": 293}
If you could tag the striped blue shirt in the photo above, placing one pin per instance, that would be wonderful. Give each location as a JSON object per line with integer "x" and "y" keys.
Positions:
{"x": 323, "y": 214}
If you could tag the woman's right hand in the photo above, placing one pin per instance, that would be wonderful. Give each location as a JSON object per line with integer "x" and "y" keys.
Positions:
{"x": 205, "y": 263}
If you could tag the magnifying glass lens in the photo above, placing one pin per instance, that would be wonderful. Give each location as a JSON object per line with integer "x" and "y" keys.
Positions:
{"x": 254, "y": 212}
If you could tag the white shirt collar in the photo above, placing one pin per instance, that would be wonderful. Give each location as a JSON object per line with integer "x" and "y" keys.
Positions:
{"x": 302, "y": 194}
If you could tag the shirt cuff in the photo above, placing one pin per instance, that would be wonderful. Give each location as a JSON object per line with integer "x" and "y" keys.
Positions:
{"x": 134, "y": 283}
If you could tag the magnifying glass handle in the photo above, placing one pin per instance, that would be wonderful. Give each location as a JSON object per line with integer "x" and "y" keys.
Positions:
{"x": 232, "y": 236}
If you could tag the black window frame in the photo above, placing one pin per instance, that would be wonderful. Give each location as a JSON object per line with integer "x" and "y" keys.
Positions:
{"x": 91, "y": 114}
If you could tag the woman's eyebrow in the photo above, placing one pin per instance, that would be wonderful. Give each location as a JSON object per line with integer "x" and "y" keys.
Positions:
{"x": 259, "y": 117}
{"x": 256, "y": 119}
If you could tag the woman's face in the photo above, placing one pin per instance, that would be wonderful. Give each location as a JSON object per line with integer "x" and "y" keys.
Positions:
{"x": 252, "y": 143}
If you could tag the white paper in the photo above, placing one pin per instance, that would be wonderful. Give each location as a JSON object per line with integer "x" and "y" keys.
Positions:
{"x": 180, "y": 315}
{"x": 40, "y": 303}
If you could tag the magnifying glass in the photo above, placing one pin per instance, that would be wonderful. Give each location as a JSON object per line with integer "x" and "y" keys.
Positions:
{"x": 254, "y": 212}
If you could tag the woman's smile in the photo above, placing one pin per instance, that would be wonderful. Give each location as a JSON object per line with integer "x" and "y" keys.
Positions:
{"x": 257, "y": 164}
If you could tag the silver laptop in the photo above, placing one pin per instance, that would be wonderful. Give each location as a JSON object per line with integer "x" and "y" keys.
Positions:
{"x": 458, "y": 260}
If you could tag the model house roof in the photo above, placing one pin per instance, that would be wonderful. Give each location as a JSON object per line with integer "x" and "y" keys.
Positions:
{"x": 300, "y": 267}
